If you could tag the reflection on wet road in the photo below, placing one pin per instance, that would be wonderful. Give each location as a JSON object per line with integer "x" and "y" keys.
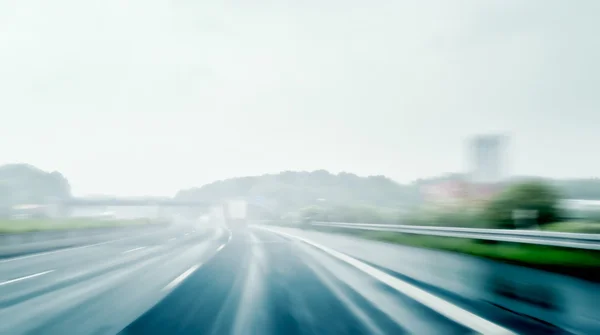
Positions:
{"x": 211, "y": 280}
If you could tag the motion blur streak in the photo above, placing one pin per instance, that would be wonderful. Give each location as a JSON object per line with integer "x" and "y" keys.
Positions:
{"x": 431, "y": 301}
{"x": 252, "y": 314}
{"x": 265, "y": 283}
{"x": 79, "y": 295}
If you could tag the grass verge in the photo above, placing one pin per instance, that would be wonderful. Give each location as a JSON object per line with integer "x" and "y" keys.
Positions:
{"x": 574, "y": 227}
{"x": 584, "y": 264}
{"x": 8, "y": 226}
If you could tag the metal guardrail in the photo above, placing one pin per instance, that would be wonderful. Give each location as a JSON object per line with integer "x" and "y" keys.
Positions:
{"x": 557, "y": 239}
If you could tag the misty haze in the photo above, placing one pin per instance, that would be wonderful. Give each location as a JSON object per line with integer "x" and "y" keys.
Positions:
{"x": 309, "y": 167}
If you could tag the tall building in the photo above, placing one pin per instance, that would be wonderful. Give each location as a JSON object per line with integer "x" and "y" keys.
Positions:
{"x": 485, "y": 177}
{"x": 487, "y": 164}
{"x": 488, "y": 159}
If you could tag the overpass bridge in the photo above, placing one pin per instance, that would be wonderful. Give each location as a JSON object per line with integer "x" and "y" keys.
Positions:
{"x": 117, "y": 202}
{"x": 150, "y": 208}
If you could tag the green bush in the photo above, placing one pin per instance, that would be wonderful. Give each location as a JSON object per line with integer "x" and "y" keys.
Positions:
{"x": 531, "y": 195}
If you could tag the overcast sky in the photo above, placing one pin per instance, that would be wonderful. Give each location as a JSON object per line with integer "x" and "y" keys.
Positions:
{"x": 140, "y": 97}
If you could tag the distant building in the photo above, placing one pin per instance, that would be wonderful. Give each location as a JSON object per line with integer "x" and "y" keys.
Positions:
{"x": 484, "y": 178}
{"x": 487, "y": 159}
{"x": 487, "y": 165}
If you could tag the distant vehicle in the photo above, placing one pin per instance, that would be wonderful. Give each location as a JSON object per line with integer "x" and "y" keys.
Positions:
{"x": 235, "y": 214}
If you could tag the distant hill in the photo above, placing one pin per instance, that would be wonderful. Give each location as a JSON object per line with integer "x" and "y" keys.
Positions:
{"x": 26, "y": 184}
{"x": 282, "y": 192}
{"x": 289, "y": 191}
{"x": 292, "y": 191}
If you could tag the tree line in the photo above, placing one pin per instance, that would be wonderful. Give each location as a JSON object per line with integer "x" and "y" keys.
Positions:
{"x": 346, "y": 197}
{"x": 321, "y": 194}
{"x": 26, "y": 184}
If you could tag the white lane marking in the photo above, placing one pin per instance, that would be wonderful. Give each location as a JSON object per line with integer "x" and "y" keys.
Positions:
{"x": 134, "y": 249}
{"x": 435, "y": 303}
{"x": 181, "y": 277}
{"x": 25, "y": 277}
{"x": 189, "y": 271}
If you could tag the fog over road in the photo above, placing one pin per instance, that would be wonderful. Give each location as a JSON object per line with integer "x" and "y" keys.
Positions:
{"x": 192, "y": 279}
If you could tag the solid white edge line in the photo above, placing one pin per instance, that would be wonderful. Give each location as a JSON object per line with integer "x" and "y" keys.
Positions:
{"x": 435, "y": 303}
{"x": 25, "y": 277}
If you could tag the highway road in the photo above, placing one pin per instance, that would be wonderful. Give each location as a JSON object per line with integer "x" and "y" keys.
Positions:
{"x": 13, "y": 245}
{"x": 190, "y": 279}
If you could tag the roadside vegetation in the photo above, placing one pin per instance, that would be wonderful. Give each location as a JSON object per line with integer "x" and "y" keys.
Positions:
{"x": 539, "y": 201}
{"x": 584, "y": 264}
{"x": 8, "y": 226}
{"x": 303, "y": 197}
{"x": 535, "y": 197}
{"x": 587, "y": 227}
